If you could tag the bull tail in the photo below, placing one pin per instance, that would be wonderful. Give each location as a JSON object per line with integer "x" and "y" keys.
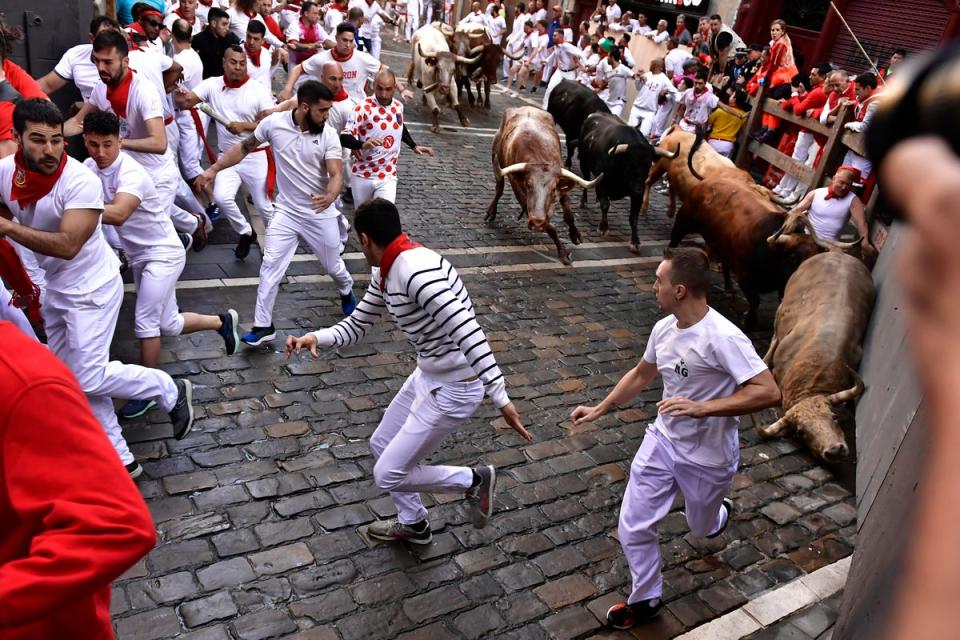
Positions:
{"x": 693, "y": 150}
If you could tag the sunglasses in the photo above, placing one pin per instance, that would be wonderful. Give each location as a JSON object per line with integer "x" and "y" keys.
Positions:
{"x": 152, "y": 23}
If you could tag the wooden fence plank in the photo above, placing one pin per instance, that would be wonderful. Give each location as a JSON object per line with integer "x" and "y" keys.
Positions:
{"x": 772, "y": 107}
{"x": 780, "y": 160}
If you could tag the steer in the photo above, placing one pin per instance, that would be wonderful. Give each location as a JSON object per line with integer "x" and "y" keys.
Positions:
{"x": 468, "y": 43}
{"x": 816, "y": 349}
{"x": 484, "y": 72}
{"x": 623, "y": 156}
{"x": 435, "y": 70}
{"x": 570, "y": 103}
{"x": 526, "y": 149}
{"x": 745, "y": 232}
{"x": 696, "y": 161}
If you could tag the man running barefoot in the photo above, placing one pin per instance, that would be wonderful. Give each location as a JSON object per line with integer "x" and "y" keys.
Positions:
{"x": 711, "y": 374}
{"x": 455, "y": 367}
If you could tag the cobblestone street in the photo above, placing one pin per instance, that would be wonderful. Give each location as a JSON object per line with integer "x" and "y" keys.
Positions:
{"x": 262, "y": 509}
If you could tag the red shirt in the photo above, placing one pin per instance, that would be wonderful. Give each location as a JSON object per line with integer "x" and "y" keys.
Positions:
{"x": 71, "y": 520}
{"x": 27, "y": 87}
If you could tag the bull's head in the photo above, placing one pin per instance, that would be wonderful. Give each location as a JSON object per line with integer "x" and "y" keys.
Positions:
{"x": 541, "y": 182}
{"x": 813, "y": 418}
{"x": 796, "y": 223}
{"x": 443, "y": 66}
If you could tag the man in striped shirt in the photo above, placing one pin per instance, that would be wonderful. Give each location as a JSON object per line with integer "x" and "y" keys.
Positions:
{"x": 455, "y": 368}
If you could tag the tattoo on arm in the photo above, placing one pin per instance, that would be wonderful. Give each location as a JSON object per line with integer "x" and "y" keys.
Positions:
{"x": 249, "y": 144}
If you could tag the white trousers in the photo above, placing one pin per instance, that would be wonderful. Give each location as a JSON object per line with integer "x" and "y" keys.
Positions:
{"x": 365, "y": 189}
{"x": 662, "y": 118}
{"x": 12, "y": 314}
{"x": 413, "y": 20}
{"x": 167, "y": 184}
{"x": 422, "y": 414}
{"x": 556, "y": 79}
{"x": 656, "y": 473}
{"x": 156, "y": 313}
{"x": 852, "y": 159}
{"x": 280, "y": 243}
{"x": 801, "y": 153}
{"x": 642, "y": 117}
{"x": 616, "y": 108}
{"x": 723, "y": 147}
{"x": 251, "y": 171}
{"x": 376, "y": 43}
{"x": 189, "y": 149}
{"x": 79, "y": 331}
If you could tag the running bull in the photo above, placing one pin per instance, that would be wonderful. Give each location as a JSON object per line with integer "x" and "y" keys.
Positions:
{"x": 621, "y": 154}
{"x": 526, "y": 150}
{"x": 816, "y": 349}
{"x": 570, "y": 104}
{"x": 434, "y": 67}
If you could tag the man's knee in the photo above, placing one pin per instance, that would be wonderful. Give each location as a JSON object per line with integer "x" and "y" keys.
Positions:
{"x": 386, "y": 478}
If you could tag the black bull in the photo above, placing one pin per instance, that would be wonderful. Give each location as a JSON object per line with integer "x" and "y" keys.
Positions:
{"x": 570, "y": 103}
{"x": 620, "y": 153}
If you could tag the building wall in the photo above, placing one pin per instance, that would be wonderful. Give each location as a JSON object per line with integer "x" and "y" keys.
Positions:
{"x": 726, "y": 8}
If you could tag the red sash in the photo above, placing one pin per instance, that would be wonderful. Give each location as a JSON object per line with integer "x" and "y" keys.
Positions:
{"x": 119, "y": 94}
{"x": 203, "y": 134}
{"x": 30, "y": 186}
{"x": 399, "y": 244}
{"x": 271, "y": 171}
{"x": 15, "y": 276}
{"x": 190, "y": 20}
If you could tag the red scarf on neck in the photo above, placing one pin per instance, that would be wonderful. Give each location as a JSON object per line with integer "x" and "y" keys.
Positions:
{"x": 119, "y": 94}
{"x": 400, "y": 244}
{"x": 206, "y": 3}
{"x": 234, "y": 85}
{"x": 341, "y": 95}
{"x": 254, "y": 57}
{"x": 250, "y": 13}
{"x": 14, "y": 275}
{"x": 336, "y": 55}
{"x": 339, "y": 7}
{"x": 29, "y": 186}
{"x": 190, "y": 20}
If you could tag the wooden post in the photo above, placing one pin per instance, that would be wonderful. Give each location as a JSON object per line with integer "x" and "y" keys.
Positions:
{"x": 833, "y": 148}
{"x": 756, "y": 115}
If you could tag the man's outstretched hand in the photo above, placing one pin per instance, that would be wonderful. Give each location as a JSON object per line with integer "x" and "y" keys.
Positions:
{"x": 512, "y": 417}
{"x": 294, "y": 344}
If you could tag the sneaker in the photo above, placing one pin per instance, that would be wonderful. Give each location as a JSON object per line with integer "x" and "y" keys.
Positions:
{"x": 134, "y": 469}
{"x": 394, "y": 530}
{"x": 200, "y": 235}
{"x": 348, "y": 303}
{"x": 182, "y": 414}
{"x": 243, "y": 246}
{"x": 124, "y": 261}
{"x": 728, "y": 505}
{"x": 136, "y": 408}
{"x": 258, "y": 335}
{"x": 212, "y": 211}
{"x": 625, "y": 616}
{"x": 480, "y": 497}
{"x": 186, "y": 239}
{"x": 228, "y": 331}
{"x": 347, "y": 196}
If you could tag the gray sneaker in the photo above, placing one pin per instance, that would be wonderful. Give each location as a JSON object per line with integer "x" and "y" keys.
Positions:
{"x": 394, "y": 530}
{"x": 480, "y": 498}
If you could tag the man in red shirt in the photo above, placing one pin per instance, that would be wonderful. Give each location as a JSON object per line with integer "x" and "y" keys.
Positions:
{"x": 804, "y": 107}
{"x": 15, "y": 85}
{"x": 63, "y": 538}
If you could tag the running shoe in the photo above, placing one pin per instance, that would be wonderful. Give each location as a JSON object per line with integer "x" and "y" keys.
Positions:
{"x": 186, "y": 239}
{"x": 212, "y": 211}
{"x": 728, "y": 505}
{"x": 200, "y": 235}
{"x": 348, "y": 303}
{"x": 258, "y": 335}
{"x": 136, "y": 408}
{"x": 228, "y": 331}
{"x": 394, "y": 531}
{"x": 182, "y": 414}
{"x": 480, "y": 497}
{"x": 134, "y": 469}
{"x": 625, "y": 616}
{"x": 243, "y": 246}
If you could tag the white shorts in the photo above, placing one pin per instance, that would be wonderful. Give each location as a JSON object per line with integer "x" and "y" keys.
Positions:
{"x": 156, "y": 311}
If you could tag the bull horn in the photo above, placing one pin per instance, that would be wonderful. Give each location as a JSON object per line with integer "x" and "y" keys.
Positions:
{"x": 586, "y": 184}
{"x": 465, "y": 60}
{"x": 513, "y": 168}
{"x": 847, "y": 394}
{"x": 430, "y": 88}
{"x": 422, "y": 54}
{"x": 823, "y": 242}
{"x": 783, "y": 202}
{"x": 510, "y": 55}
{"x": 617, "y": 150}
{"x": 776, "y": 428}
{"x": 476, "y": 50}
{"x": 663, "y": 153}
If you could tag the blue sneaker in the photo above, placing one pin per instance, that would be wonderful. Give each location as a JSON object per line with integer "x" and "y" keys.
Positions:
{"x": 186, "y": 239}
{"x": 258, "y": 335}
{"x": 348, "y": 303}
{"x": 212, "y": 211}
{"x": 136, "y": 408}
{"x": 228, "y": 331}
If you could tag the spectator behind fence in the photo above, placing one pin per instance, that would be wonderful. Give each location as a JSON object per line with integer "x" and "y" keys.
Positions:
{"x": 726, "y": 125}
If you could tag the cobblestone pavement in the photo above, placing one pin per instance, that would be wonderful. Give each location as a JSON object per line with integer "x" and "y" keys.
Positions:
{"x": 261, "y": 510}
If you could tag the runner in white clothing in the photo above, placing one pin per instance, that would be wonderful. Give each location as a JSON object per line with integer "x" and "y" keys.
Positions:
{"x": 186, "y": 10}
{"x": 376, "y": 130}
{"x": 190, "y": 143}
{"x": 711, "y": 374}
{"x": 567, "y": 58}
{"x": 309, "y": 179}
{"x": 76, "y": 64}
{"x": 651, "y": 88}
{"x": 306, "y": 37}
{"x": 373, "y": 19}
{"x": 696, "y": 104}
{"x": 613, "y": 76}
{"x": 357, "y": 66}
{"x": 455, "y": 369}
{"x": 56, "y": 204}
{"x": 243, "y": 103}
{"x": 156, "y": 256}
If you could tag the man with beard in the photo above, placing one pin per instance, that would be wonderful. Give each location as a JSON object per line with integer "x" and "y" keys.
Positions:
{"x": 306, "y": 37}
{"x": 242, "y": 102}
{"x": 135, "y": 100}
{"x": 309, "y": 178}
{"x": 76, "y": 65}
{"x": 56, "y": 204}
{"x": 376, "y": 130}
{"x": 213, "y": 41}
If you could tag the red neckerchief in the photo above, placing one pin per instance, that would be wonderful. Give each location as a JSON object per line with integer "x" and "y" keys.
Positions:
{"x": 861, "y": 110}
{"x": 336, "y": 56}
{"x": 129, "y": 30}
{"x": 250, "y": 13}
{"x": 341, "y": 95}
{"x": 830, "y": 194}
{"x": 190, "y": 20}
{"x": 30, "y": 186}
{"x": 119, "y": 94}
{"x": 272, "y": 27}
{"x": 399, "y": 244}
{"x": 15, "y": 276}
{"x": 234, "y": 85}
{"x": 678, "y": 31}
{"x": 254, "y": 58}
{"x": 339, "y": 7}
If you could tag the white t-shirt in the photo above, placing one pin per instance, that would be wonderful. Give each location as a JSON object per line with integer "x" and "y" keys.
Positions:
{"x": 828, "y": 217}
{"x": 198, "y": 22}
{"x": 673, "y": 61}
{"x": 475, "y": 17}
{"x": 189, "y": 59}
{"x": 341, "y": 111}
{"x": 707, "y": 361}
{"x": 294, "y": 33}
{"x": 641, "y": 29}
{"x": 150, "y": 65}
{"x": 497, "y": 25}
{"x": 617, "y": 83}
{"x": 698, "y": 108}
{"x": 659, "y": 38}
{"x": 76, "y": 65}
{"x": 370, "y": 119}
{"x": 149, "y": 231}
{"x": 539, "y": 14}
{"x": 613, "y": 13}
{"x": 332, "y": 19}
{"x": 261, "y": 74}
{"x": 239, "y": 21}
{"x": 236, "y": 105}
{"x": 143, "y": 104}
{"x": 370, "y": 11}
{"x": 356, "y": 71}
{"x": 95, "y": 264}
{"x": 648, "y": 94}
{"x": 565, "y": 56}
{"x": 301, "y": 162}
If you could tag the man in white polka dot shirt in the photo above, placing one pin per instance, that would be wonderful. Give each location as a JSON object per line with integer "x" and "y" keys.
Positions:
{"x": 375, "y": 132}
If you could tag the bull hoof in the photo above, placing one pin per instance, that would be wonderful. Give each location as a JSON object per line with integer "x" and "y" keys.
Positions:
{"x": 634, "y": 248}
{"x": 575, "y": 238}
{"x": 435, "y": 128}
{"x": 566, "y": 258}
{"x": 604, "y": 230}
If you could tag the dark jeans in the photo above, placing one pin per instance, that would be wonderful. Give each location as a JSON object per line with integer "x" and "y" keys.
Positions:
{"x": 365, "y": 44}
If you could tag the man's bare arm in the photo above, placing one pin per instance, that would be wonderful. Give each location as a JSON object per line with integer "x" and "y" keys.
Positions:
{"x": 122, "y": 207}
{"x": 51, "y": 82}
{"x": 757, "y": 393}
{"x": 76, "y": 227}
{"x": 74, "y": 126}
{"x": 628, "y": 388}
{"x": 155, "y": 142}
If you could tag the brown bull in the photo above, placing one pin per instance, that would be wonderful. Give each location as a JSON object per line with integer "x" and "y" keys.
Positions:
{"x": 526, "y": 149}
{"x": 816, "y": 349}
{"x": 695, "y": 162}
{"x": 745, "y": 233}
